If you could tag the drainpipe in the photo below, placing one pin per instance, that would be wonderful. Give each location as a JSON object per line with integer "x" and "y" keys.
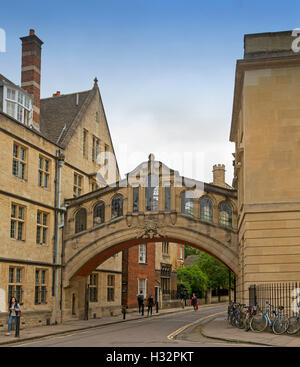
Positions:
{"x": 59, "y": 225}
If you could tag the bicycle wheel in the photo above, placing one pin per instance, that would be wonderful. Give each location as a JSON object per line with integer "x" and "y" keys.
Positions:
{"x": 258, "y": 323}
{"x": 247, "y": 322}
{"x": 280, "y": 325}
{"x": 294, "y": 325}
{"x": 240, "y": 321}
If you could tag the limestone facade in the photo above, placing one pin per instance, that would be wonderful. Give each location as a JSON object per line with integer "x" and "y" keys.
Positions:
{"x": 265, "y": 130}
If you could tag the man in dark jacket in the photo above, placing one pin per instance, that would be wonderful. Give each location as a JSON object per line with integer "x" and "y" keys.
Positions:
{"x": 140, "y": 299}
{"x": 150, "y": 302}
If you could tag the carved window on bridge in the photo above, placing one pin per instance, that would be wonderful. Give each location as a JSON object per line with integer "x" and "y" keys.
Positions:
{"x": 117, "y": 207}
{"x": 152, "y": 193}
{"x": 187, "y": 203}
{"x": 206, "y": 210}
{"x": 225, "y": 215}
{"x": 135, "y": 199}
{"x": 99, "y": 214}
{"x": 80, "y": 221}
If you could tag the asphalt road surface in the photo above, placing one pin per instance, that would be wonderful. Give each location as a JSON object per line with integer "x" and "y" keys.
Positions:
{"x": 159, "y": 331}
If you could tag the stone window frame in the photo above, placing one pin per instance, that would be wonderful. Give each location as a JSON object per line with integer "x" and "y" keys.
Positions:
{"x": 144, "y": 287}
{"x": 15, "y": 287}
{"x": 117, "y": 209}
{"x": 41, "y": 285}
{"x": 19, "y": 164}
{"x": 99, "y": 204}
{"x": 42, "y": 226}
{"x": 44, "y": 172}
{"x": 17, "y": 222}
{"x": 206, "y": 214}
{"x": 187, "y": 204}
{"x": 80, "y": 220}
{"x": 142, "y": 253}
{"x": 152, "y": 193}
{"x": 77, "y": 184}
{"x": 111, "y": 281}
{"x": 93, "y": 287}
{"x": 225, "y": 214}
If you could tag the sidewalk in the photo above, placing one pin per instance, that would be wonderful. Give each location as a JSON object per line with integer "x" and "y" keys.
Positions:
{"x": 219, "y": 329}
{"x": 37, "y": 332}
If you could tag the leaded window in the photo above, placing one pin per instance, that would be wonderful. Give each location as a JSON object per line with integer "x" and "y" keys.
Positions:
{"x": 80, "y": 221}
{"x": 206, "y": 209}
{"x": 117, "y": 207}
{"x": 187, "y": 203}
{"x": 99, "y": 213}
{"x": 152, "y": 193}
{"x": 225, "y": 215}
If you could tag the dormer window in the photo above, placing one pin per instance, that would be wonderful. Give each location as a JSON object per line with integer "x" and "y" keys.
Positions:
{"x": 17, "y": 105}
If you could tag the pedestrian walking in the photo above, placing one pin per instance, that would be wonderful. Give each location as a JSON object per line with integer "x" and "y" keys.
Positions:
{"x": 14, "y": 310}
{"x": 194, "y": 302}
{"x": 182, "y": 300}
{"x": 150, "y": 303}
{"x": 140, "y": 299}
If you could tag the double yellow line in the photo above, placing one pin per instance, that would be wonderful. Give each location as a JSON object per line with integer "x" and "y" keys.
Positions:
{"x": 180, "y": 330}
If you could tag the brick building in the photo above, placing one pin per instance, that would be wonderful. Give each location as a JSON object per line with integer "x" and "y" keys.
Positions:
{"x": 152, "y": 268}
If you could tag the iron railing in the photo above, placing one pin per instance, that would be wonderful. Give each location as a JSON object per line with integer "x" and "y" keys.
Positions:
{"x": 277, "y": 294}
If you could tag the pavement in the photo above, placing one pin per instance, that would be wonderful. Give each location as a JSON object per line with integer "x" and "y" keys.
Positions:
{"x": 216, "y": 328}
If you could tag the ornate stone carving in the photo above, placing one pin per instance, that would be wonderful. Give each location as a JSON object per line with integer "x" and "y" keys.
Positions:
{"x": 151, "y": 228}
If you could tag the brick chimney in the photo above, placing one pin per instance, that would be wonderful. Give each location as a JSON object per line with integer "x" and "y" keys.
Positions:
{"x": 31, "y": 71}
{"x": 57, "y": 94}
{"x": 219, "y": 175}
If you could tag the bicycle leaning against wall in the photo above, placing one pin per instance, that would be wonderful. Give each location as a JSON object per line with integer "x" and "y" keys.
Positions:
{"x": 273, "y": 318}
{"x": 294, "y": 323}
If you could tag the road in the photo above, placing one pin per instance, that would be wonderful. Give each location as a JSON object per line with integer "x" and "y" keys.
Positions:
{"x": 149, "y": 332}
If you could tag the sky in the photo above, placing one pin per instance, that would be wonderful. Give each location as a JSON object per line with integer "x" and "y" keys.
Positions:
{"x": 165, "y": 68}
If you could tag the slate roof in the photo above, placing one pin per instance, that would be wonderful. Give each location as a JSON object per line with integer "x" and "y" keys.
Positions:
{"x": 59, "y": 113}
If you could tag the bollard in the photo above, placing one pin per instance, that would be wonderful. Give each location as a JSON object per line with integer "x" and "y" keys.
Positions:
{"x": 124, "y": 312}
{"x": 156, "y": 307}
{"x": 17, "y": 324}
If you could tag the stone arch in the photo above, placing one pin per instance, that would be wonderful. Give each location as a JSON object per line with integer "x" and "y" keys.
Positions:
{"x": 218, "y": 242}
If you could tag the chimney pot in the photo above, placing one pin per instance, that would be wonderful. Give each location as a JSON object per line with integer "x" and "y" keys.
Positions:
{"x": 31, "y": 32}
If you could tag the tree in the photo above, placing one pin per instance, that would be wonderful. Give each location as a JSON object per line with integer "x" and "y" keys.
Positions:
{"x": 188, "y": 250}
{"x": 194, "y": 277}
{"x": 216, "y": 272}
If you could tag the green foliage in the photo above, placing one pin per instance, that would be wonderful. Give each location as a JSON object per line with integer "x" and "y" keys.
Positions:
{"x": 184, "y": 285}
{"x": 188, "y": 250}
{"x": 195, "y": 277}
{"x": 216, "y": 272}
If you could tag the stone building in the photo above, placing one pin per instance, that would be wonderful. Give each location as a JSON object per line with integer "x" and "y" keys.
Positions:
{"x": 49, "y": 149}
{"x": 266, "y": 131}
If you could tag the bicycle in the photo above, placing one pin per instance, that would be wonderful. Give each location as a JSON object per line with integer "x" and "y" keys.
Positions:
{"x": 251, "y": 311}
{"x": 240, "y": 316}
{"x": 273, "y": 318}
{"x": 294, "y": 323}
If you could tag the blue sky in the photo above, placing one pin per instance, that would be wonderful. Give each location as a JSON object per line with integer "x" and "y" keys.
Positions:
{"x": 165, "y": 68}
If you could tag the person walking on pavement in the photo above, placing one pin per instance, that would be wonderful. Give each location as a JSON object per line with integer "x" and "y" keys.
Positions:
{"x": 14, "y": 311}
{"x": 150, "y": 302}
{"x": 182, "y": 299}
{"x": 194, "y": 302}
{"x": 141, "y": 302}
